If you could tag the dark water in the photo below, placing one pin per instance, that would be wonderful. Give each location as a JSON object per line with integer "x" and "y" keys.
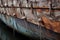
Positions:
{"x": 7, "y": 33}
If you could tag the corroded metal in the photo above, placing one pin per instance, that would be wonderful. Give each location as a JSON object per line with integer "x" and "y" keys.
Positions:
{"x": 30, "y": 10}
{"x": 28, "y": 29}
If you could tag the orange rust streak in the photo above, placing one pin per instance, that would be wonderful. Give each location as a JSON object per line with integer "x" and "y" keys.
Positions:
{"x": 39, "y": 10}
{"x": 51, "y": 24}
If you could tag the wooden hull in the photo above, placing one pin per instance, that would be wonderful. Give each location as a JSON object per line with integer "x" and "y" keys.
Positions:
{"x": 28, "y": 28}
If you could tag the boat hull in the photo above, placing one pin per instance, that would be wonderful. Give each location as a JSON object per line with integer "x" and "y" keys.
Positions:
{"x": 17, "y": 24}
{"x": 28, "y": 28}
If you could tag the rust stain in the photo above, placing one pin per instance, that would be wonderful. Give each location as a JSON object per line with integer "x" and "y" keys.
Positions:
{"x": 39, "y": 10}
{"x": 47, "y": 10}
{"x": 51, "y": 24}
